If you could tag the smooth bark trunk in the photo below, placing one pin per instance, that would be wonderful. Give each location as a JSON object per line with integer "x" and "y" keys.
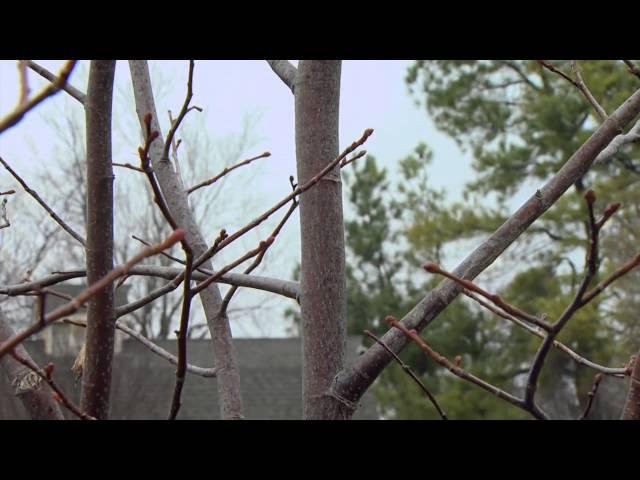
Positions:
{"x": 96, "y": 378}
{"x": 322, "y": 282}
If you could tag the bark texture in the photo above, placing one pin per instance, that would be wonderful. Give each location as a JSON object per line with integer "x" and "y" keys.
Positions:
{"x": 322, "y": 282}
{"x": 96, "y": 378}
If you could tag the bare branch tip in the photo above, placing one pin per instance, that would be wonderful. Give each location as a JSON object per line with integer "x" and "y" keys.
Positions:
{"x": 611, "y": 209}
{"x": 431, "y": 267}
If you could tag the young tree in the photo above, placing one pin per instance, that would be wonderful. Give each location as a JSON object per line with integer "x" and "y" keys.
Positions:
{"x": 331, "y": 389}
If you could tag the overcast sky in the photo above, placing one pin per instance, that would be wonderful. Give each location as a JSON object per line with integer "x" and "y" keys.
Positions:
{"x": 373, "y": 94}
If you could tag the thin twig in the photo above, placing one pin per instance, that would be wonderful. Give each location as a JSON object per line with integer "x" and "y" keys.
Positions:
{"x": 262, "y": 246}
{"x": 129, "y": 166}
{"x": 227, "y": 298}
{"x": 296, "y": 192}
{"x": 161, "y": 352}
{"x": 74, "y": 305}
{"x": 44, "y": 205}
{"x": 13, "y": 117}
{"x": 579, "y": 84}
{"x": 183, "y": 112}
{"x": 182, "y": 335}
{"x": 496, "y": 299}
{"x": 459, "y": 372}
{"x": 59, "y": 395}
{"x": 592, "y": 395}
{"x": 582, "y": 86}
{"x": 43, "y": 72}
{"x": 410, "y": 372}
{"x": 224, "y": 172}
{"x": 592, "y": 263}
{"x": 145, "y": 164}
{"x": 614, "y": 372}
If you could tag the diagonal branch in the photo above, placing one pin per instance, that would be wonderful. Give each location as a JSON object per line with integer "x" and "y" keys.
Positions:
{"x": 592, "y": 395}
{"x": 615, "y": 372}
{"x": 44, "y": 205}
{"x": 226, "y": 170}
{"x": 227, "y": 298}
{"x": 350, "y": 384}
{"x": 582, "y": 86}
{"x": 410, "y": 372}
{"x": 13, "y": 117}
{"x": 75, "y": 304}
{"x": 43, "y": 72}
{"x": 161, "y": 352}
{"x": 459, "y": 372}
{"x": 286, "y": 71}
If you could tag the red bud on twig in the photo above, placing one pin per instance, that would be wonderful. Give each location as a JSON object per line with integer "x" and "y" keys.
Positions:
{"x": 590, "y": 196}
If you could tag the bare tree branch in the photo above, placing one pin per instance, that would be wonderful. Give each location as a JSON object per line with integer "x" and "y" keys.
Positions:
{"x": 44, "y": 205}
{"x": 413, "y": 376}
{"x": 74, "y": 305}
{"x": 224, "y": 351}
{"x": 582, "y": 86}
{"x": 161, "y": 352}
{"x": 13, "y": 117}
{"x": 285, "y": 71}
{"x": 43, "y": 72}
{"x": 226, "y": 170}
{"x": 286, "y": 288}
{"x": 459, "y": 372}
{"x": 592, "y": 395}
{"x": 615, "y": 372}
{"x": 350, "y": 384}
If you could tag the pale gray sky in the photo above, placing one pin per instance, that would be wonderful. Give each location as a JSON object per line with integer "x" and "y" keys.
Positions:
{"x": 373, "y": 94}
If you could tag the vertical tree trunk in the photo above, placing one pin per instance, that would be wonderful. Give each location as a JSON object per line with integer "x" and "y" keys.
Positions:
{"x": 35, "y": 396}
{"x": 322, "y": 274}
{"x": 228, "y": 379}
{"x": 96, "y": 379}
{"x": 632, "y": 405}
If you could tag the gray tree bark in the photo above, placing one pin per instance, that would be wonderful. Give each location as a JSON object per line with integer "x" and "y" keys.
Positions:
{"x": 34, "y": 393}
{"x": 322, "y": 274}
{"x": 96, "y": 378}
{"x": 351, "y": 383}
{"x": 176, "y": 197}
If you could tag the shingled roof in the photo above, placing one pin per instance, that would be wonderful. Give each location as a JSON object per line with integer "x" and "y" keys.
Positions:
{"x": 143, "y": 383}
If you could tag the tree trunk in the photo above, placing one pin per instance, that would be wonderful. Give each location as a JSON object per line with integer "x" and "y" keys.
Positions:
{"x": 96, "y": 379}
{"x": 228, "y": 379}
{"x": 35, "y": 395}
{"x": 632, "y": 405}
{"x": 322, "y": 274}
